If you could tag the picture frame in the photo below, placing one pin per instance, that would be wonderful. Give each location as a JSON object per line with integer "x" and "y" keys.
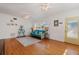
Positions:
{"x": 56, "y": 23}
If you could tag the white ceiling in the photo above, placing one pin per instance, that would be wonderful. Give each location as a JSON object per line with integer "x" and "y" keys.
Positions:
{"x": 21, "y": 9}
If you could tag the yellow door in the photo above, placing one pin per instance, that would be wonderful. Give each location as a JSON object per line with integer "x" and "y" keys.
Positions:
{"x": 72, "y": 30}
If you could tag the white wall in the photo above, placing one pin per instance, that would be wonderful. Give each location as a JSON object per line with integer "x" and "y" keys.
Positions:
{"x": 6, "y": 31}
{"x": 57, "y": 33}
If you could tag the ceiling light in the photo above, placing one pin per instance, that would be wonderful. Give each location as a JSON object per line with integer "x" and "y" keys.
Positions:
{"x": 44, "y": 7}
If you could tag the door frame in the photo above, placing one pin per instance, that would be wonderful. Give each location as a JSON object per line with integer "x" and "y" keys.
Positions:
{"x": 66, "y": 39}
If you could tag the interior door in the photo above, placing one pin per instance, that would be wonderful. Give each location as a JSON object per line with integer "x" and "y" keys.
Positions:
{"x": 72, "y": 30}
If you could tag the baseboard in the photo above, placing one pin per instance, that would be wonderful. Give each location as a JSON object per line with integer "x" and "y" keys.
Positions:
{"x": 57, "y": 40}
{"x": 15, "y": 37}
{"x": 28, "y": 35}
{"x": 23, "y": 36}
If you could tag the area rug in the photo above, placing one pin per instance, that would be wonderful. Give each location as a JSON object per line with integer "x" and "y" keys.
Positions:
{"x": 27, "y": 41}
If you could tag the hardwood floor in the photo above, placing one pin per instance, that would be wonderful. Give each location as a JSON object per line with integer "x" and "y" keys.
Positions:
{"x": 2, "y": 47}
{"x": 45, "y": 47}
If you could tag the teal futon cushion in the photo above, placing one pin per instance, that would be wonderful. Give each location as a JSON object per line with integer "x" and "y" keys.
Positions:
{"x": 37, "y": 33}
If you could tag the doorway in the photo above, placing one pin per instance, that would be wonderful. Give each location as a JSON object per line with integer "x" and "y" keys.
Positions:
{"x": 72, "y": 30}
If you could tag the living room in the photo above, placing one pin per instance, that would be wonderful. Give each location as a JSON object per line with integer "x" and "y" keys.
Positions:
{"x": 39, "y": 28}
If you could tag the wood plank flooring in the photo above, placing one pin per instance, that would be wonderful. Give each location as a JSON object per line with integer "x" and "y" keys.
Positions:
{"x": 2, "y": 47}
{"x": 45, "y": 47}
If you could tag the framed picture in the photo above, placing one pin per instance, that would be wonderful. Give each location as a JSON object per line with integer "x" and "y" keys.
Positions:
{"x": 56, "y": 23}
